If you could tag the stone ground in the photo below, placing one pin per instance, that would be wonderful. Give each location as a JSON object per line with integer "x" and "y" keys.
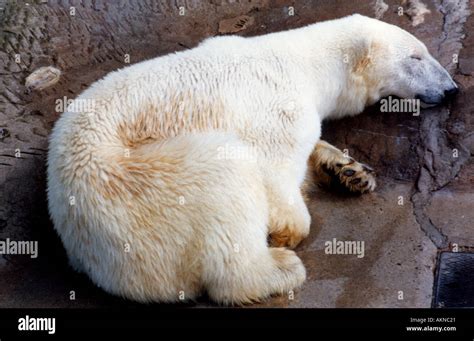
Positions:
{"x": 422, "y": 162}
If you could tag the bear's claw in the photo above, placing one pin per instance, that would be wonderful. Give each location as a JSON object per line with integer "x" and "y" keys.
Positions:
{"x": 356, "y": 176}
{"x": 332, "y": 167}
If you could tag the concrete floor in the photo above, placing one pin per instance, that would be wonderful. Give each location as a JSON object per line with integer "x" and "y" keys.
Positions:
{"x": 413, "y": 156}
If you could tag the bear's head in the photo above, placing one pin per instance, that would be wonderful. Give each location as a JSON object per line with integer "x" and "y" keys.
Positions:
{"x": 394, "y": 62}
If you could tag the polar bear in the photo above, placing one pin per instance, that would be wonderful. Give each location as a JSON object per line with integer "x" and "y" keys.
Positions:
{"x": 184, "y": 176}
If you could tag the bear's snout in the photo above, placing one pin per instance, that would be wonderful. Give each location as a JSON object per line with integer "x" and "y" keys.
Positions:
{"x": 451, "y": 92}
{"x": 435, "y": 97}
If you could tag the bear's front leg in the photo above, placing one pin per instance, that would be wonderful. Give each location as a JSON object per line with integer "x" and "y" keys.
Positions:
{"x": 289, "y": 217}
{"x": 329, "y": 164}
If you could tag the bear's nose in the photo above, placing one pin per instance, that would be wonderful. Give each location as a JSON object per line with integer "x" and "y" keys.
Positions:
{"x": 451, "y": 92}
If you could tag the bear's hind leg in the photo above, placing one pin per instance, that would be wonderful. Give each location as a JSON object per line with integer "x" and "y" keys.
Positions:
{"x": 256, "y": 275}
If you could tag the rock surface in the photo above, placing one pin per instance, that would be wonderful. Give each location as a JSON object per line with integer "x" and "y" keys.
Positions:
{"x": 425, "y": 160}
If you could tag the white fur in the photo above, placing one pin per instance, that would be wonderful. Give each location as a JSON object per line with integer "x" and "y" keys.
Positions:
{"x": 144, "y": 173}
